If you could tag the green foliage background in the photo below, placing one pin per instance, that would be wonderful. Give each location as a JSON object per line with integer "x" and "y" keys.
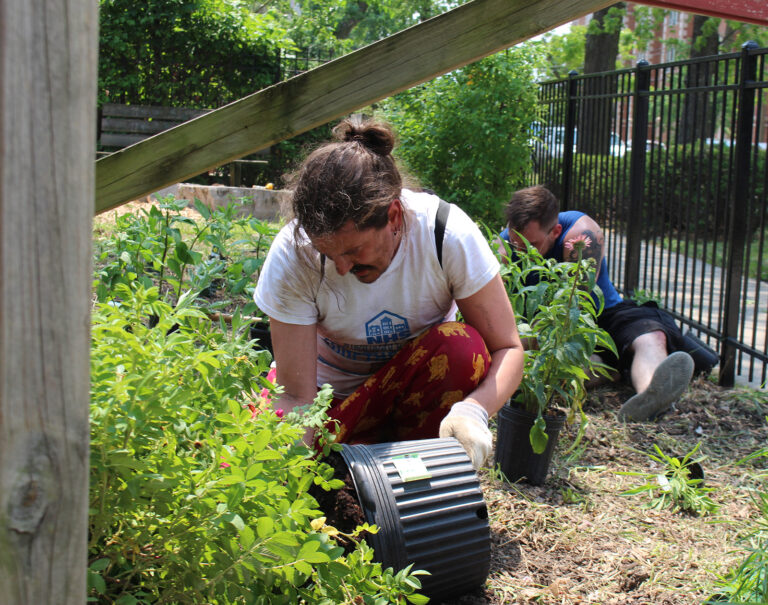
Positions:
{"x": 185, "y": 53}
{"x": 466, "y": 135}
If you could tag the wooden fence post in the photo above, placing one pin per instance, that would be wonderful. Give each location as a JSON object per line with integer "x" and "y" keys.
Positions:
{"x": 48, "y": 56}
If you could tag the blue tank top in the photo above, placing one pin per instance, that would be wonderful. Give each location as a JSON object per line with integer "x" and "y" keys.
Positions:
{"x": 567, "y": 220}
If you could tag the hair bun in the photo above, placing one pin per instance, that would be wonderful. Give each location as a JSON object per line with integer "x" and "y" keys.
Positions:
{"x": 374, "y": 136}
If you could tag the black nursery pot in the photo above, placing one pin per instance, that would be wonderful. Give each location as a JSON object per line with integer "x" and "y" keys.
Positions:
{"x": 426, "y": 500}
{"x": 514, "y": 453}
{"x": 261, "y": 334}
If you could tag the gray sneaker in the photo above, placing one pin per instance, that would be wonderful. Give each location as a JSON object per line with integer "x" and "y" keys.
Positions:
{"x": 669, "y": 381}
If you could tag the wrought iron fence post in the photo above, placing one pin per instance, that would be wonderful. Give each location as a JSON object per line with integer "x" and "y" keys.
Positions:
{"x": 570, "y": 124}
{"x": 738, "y": 214}
{"x": 637, "y": 177}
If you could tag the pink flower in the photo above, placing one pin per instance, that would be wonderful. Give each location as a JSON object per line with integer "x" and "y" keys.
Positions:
{"x": 578, "y": 243}
{"x": 225, "y": 465}
{"x": 279, "y": 412}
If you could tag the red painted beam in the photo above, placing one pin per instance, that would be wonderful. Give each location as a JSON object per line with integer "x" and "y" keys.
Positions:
{"x": 749, "y": 11}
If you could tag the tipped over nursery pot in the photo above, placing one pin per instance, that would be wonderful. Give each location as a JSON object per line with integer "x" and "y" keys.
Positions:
{"x": 514, "y": 453}
{"x": 426, "y": 500}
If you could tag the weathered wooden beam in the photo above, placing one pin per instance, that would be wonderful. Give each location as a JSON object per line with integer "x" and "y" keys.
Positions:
{"x": 48, "y": 57}
{"x": 417, "y": 54}
{"x": 749, "y": 11}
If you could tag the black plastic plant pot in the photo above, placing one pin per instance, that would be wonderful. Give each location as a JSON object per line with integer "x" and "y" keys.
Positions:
{"x": 426, "y": 500}
{"x": 514, "y": 453}
{"x": 262, "y": 335}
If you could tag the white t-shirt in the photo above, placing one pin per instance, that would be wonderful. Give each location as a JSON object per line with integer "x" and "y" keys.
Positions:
{"x": 361, "y": 326}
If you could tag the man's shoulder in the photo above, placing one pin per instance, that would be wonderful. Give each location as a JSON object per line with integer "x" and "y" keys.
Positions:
{"x": 575, "y": 221}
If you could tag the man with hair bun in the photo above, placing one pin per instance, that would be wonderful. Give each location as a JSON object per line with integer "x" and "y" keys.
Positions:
{"x": 362, "y": 288}
{"x": 652, "y": 350}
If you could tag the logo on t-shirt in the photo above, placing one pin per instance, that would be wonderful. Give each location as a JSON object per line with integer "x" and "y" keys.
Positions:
{"x": 387, "y": 327}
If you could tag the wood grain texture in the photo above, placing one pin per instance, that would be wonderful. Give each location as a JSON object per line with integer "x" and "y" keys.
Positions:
{"x": 448, "y": 41}
{"x": 48, "y": 56}
{"x": 749, "y": 11}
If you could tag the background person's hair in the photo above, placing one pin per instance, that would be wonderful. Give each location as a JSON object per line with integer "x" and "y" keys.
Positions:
{"x": 354, "y": 178}
{"x": 532, "y": 204}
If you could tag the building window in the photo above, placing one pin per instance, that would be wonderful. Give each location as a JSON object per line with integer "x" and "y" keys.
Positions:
{"x": 670, "y": 54}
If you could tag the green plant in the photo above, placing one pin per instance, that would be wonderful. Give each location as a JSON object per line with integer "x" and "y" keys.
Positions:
{"x": 188, "y": 53}
{"x": 163, "y": 247}
{"x": 643, "y": 296}
{"x": 199, "y": 489}
{"x": 475, "y": 161}
{"x": 673, "y": 487}
{"x": 748, "y": 582}
{"x": 556, "y": 316}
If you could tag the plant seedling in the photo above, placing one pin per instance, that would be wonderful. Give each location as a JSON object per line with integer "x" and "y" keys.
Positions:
{"x": 674, "y": 486}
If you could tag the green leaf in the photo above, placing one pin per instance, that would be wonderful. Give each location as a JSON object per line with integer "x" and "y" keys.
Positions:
{"x": 96, "y": 582}
{"x": 202, "y": 209}
{"x": 247, "y": 537}
{"x": 538, "y": 435}
{"x": 303, "y": 567}
{"x": 264, "y": 526}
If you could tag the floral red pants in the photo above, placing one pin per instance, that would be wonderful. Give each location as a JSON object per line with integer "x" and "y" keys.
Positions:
{"x": 408, "y": 397}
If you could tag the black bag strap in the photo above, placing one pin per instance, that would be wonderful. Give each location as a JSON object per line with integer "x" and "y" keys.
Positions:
{"x": 442, "y": 217}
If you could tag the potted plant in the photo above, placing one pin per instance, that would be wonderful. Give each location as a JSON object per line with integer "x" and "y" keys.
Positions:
{"x": 556, "y": 316}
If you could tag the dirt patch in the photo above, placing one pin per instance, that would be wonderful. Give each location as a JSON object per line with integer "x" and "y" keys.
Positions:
{"x": 341, "y": 507}
{"x": 577, "y": 539}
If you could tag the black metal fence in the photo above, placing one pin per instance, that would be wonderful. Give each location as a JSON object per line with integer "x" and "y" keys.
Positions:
{"x": 293, "y": 63}
{"x": 670, "y": 159}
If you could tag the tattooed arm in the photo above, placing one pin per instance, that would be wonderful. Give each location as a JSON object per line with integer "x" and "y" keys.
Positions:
{"x": 588, "y": 230}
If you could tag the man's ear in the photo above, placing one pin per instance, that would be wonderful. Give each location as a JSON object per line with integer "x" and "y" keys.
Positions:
{"x": 395, "y": 214}
{"x": 557, "y": 230}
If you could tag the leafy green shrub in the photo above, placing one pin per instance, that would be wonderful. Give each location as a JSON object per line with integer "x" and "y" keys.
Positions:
{"x": 182, "y": 53}
{"x": 674, "y": 178}
{"x": 704, "y": 173}
{"x": 557, "y": 316}
{"x": 466, "y": 134}
{"x": 198, "y": 489}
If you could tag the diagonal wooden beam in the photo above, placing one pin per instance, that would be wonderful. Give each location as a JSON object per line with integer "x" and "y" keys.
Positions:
{"x": 749, "y": 11}
{"x": 465, "y": 34}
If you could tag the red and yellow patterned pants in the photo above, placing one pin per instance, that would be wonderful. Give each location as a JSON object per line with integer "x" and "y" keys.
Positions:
{"x": 408, "y": 397}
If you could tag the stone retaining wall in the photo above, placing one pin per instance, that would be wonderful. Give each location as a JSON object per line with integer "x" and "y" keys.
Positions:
{"x": 259, "y": 202}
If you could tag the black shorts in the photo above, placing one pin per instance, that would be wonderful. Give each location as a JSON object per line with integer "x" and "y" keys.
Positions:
{"x": 628, "y": 320}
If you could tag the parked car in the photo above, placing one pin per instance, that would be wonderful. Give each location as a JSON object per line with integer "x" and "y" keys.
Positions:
{"x": 553, "y": 138}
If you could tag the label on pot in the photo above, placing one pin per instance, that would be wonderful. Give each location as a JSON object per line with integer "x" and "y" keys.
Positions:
{"x": 410, "y": 467}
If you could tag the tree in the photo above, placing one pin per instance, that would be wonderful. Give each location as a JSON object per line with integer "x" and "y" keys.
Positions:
{"x": 601, "y": 47}
{"x": 341, "y": 26}
{"x": 562, "y": 53}
{"x": 697, "y": 119}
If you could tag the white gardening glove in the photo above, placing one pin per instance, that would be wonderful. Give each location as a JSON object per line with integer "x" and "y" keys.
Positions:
{"x": 468, "y": 423}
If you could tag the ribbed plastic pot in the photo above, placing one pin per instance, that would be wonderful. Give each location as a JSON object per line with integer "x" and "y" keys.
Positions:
{"x": 438, "y": 522}
{"x": 514, "y": 453}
